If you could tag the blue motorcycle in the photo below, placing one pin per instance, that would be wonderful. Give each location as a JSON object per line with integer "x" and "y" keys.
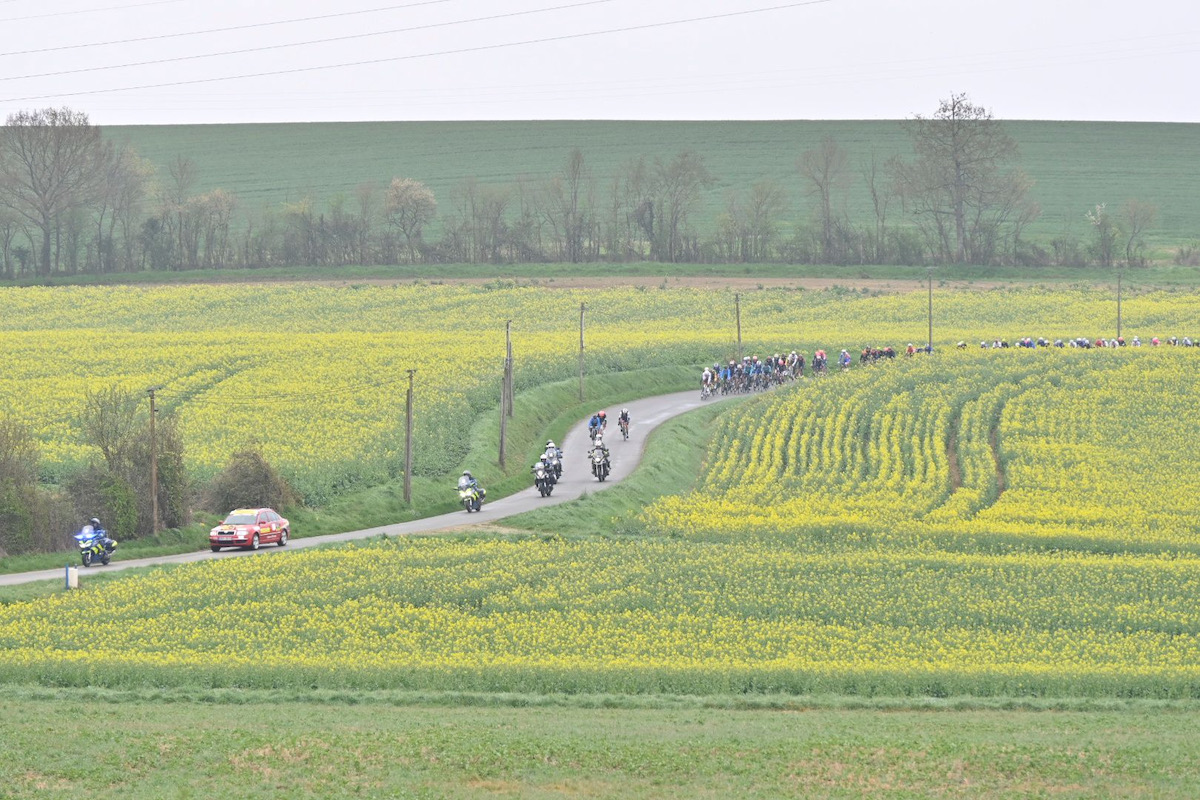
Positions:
{"x": 94, "y": 545}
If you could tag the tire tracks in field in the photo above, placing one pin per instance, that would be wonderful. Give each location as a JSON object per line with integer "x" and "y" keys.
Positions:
{"x": 952, "y": 452}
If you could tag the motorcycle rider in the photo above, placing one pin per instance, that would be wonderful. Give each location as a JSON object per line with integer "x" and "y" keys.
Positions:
{"x": 107, "y": 542}
{"x": 544, "y": 464}
{"x": 467, "y": 481}
{"x": 601, "y": 446}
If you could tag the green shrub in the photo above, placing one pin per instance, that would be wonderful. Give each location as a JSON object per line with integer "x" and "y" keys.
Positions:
{"x": 248, "y": 481}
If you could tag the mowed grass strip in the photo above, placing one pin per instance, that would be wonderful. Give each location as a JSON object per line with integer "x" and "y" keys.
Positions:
{"x": 154, "y": 749}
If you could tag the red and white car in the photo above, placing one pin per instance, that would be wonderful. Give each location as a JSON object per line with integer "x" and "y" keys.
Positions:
{"x": 249, "y": 528}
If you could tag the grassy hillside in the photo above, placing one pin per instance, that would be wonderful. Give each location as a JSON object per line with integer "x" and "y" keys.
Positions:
{"x": 1075, "y": 164}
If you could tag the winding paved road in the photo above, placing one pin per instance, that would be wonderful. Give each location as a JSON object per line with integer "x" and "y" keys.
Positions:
{"x": 647, "y": 415}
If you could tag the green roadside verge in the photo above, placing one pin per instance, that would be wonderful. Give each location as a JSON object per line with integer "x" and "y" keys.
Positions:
{"x": 546, "y": 412}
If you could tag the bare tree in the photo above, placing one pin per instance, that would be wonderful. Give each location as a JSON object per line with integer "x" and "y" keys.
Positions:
{"x": 491, "y": 225}
{"x": 525, "y": 235}
{"x": 676, "y": 191}
{"x": 1106, "y": 232}
{"x": 825, "y": 170}
{"x": 748, "y": 226}
{"x": 409, "y": 207}
{"x": 182, "y": 172}
{"x": 367, "y": 196}
{"x": 10, "y": 226}
{"x": 957, "y": 186}
{"x": 568, "y": 207}
{"x": 112, "y": 421}
{"x": 125, "y": 180}
{"x": 632, "y": 211}
{"x": 882, "y": 193}
{"x": 214, "y": 214}
{"x": 50, "y": 167}
{"x": 1138, "y": 216}
{"x": 18, "y": 454}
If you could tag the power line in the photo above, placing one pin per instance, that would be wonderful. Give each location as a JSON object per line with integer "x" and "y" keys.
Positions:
{"x": 91, "y": 10}
{"x": 250, "y": 26}
{"x": 267, "y": 48}
{"x": 415, "y": 56}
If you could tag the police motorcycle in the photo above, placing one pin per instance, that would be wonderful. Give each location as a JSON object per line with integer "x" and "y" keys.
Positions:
{"x": 94, "y": 544}
{"x": 469, "y": 493}
{"x": 543, "y": 477}
{"x": 599, "y": 458}
{"x": 553, "y": 457}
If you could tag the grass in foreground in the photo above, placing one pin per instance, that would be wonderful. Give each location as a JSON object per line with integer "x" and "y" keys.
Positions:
{"x": 249, "y": 747}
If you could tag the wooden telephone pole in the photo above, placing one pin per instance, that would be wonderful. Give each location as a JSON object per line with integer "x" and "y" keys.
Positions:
{"x": 1120, "y": 275}
{"x": 929, "y": 341}
{"x": 737, "y": 305}
{"x": 408, "y": 420}
{"x": 582, "y": 309}
{"x": 506, "y": 394}
{"x": 153, "y": 461}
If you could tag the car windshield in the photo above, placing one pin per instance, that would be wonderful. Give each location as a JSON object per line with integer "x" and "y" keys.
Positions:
{"x": 239, "y": 519}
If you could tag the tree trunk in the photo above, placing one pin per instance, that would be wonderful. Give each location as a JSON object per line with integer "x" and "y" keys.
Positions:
{"x": 46, "y": 247}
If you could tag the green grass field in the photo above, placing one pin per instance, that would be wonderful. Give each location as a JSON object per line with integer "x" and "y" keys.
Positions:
{"x": 1075, "y": 164}
{"x": 231, "y": 745}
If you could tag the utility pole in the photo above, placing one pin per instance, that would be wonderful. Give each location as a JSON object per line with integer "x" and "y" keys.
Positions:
{"x": 582, "y": 309}
{"x": 506, "y": 394}
{"x": 508, "y": 367}
{"x": 929, "y": 341}
{"x": 153, "y": 461}
{"x": 504, "y": 417}
{"x": 737, "y": 305}
{"x": 408, "y": 419}
{"x": 1120, "y": 274}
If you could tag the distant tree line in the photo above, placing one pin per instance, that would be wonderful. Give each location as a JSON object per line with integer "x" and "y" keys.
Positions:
{"x": 72, "y": 202}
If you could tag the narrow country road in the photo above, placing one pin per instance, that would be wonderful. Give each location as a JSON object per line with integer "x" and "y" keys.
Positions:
{"x": 647, "y": 415}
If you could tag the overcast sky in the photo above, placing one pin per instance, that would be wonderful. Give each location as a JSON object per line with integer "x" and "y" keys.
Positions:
{"x": 203, "y": 61}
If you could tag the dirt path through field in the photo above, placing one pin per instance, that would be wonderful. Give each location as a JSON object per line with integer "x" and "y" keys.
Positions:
{"x": 894, "y": 285}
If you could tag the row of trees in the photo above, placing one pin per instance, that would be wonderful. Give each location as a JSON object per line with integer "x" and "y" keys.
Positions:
{"x": 70, "y": 201}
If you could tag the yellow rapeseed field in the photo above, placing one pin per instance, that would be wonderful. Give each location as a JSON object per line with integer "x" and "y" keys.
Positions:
{"x": 629, "y": 616}
{"x": 980, "y": 521}
{"x": 1076, "y": 448}
{"x": 316, "y": 374}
